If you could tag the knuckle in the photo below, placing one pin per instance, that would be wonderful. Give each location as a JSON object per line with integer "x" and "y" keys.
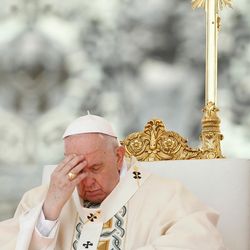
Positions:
{"x": 70, "y": 165}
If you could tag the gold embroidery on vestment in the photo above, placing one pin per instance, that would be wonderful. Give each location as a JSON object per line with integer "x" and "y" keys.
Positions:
{"x": 104, "y": 245}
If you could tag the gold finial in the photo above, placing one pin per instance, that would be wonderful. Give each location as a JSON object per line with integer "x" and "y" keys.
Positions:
{"x": 198, "y": 4}
{"x": 210, "y": 134}
{"x": 202, "y": 4}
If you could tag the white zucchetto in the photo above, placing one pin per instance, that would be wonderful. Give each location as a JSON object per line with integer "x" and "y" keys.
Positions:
{"x": 89, "y": 124}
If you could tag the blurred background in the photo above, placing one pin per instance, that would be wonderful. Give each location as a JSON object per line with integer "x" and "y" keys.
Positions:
{"x": 128, "y": 60}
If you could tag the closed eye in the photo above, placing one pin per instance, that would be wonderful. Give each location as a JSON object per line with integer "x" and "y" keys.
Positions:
{"x": 96, "y": 167}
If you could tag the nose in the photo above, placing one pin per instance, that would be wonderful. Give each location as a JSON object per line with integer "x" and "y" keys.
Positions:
{"x": 89, "y": 182}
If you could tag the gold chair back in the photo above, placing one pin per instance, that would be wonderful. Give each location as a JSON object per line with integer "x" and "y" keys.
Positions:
{"x": 157, "y": 143}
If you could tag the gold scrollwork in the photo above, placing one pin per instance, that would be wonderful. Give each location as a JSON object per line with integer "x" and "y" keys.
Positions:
{"x": 157, "y": 143}
{"x": 210, "y": 134}
{"x": 198, "y": 4}
{"x": 202, "y": 4}
{"x": 224, "y": 3}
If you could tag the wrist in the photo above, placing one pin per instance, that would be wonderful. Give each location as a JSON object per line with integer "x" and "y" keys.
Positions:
{"x": 51, "y": 212}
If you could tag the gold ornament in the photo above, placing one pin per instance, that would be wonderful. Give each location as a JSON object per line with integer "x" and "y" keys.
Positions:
{"x": 157, "y": 143}
{"x": 202, "y": 4}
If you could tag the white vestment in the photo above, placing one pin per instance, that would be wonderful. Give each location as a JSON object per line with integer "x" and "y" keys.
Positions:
{"x": 160, "y": 214}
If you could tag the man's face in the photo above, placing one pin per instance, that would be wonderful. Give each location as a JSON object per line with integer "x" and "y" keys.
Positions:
{"x": 104, "y": 162}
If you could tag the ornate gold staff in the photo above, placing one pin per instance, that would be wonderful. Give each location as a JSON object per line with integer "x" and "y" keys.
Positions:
{"x": 156, "y": 142}
{"x": 210, "y": 135}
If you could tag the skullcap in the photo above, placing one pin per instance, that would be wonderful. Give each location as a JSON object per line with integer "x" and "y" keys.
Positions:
{"x": 89, "y": 124}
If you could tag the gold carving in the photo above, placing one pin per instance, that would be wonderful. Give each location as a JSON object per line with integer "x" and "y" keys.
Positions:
{"x": 224, "y": 3}
{"x": 218, "y": 23}
{"x": 202, "y": 4}
{"x": 157, "y": 143}
{"x": 210, "y": 135}
{"x": 198, "y": 4}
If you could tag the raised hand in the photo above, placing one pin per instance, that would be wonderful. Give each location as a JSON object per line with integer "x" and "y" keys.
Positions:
{"x": 66, "y": 176}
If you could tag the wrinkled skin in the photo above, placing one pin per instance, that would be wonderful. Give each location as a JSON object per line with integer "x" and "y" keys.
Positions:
{"x": 97, "y": 161}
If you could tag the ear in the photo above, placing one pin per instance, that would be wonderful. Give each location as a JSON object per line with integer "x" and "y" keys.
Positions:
{"x": 120, "y": 153}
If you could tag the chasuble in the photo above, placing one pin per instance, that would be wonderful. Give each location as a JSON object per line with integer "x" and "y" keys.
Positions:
{"x": 143, "y": 212}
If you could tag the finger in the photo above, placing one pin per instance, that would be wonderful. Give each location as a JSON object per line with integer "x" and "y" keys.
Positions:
{"x": 79, "y": 167}
{"x": 76, "y": 170}
{"x": 61, "y": 165}
{"x": 72, "y": 163}
{"x": 78, "y": 179}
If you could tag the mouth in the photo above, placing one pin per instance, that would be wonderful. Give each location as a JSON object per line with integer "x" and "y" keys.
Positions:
{"x": 95, "y": 196}
{"x": 93, "y": 193}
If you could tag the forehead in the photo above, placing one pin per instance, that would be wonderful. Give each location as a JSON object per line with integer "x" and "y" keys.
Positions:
{"x": 84, "y": 144}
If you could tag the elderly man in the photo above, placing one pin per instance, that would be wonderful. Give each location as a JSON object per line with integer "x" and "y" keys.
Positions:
{"x": 97, "y": 200}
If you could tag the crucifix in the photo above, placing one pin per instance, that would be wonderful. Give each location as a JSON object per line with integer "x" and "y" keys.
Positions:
{"x": 172, "y": 146}
{"x": 210, "y": 135}
{"x": 213, "y": 25}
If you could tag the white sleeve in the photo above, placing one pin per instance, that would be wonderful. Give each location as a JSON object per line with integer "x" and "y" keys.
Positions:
{"x": 45, "y": 227}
